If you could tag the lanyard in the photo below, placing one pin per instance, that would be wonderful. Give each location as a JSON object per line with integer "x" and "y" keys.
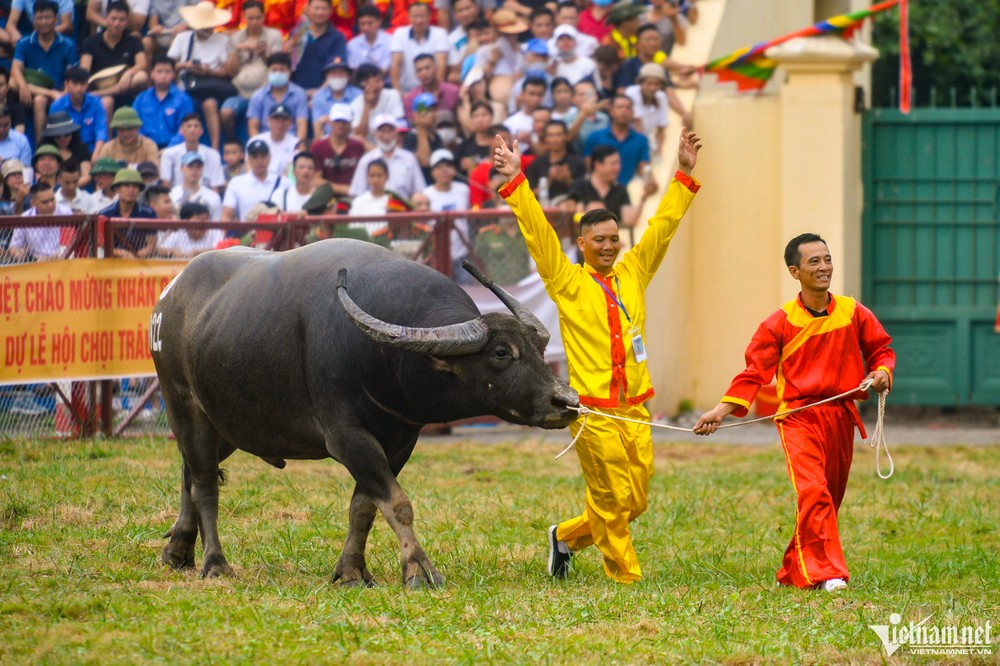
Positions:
{"x": 612, "y": 294}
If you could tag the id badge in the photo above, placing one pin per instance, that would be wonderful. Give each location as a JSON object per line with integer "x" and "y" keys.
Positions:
{"x": 638, "y": 347}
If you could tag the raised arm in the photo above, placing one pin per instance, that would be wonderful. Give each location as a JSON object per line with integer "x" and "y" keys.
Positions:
{"x": 541, "y": 239}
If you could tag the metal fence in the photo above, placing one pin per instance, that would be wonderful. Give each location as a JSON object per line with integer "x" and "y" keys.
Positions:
{"x": 133, "y": 406}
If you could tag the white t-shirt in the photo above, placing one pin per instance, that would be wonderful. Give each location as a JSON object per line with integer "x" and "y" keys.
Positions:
{"x": 367, "y": 203}
{"x": 178, "y": 239}
{"x": 203, "y": 196}
{"x": 390, "y": 101}
{"x": 282, "y": 152}
{"x": 245, "y": 191}
{"x": 403, "y": 42}
{"x": 80, "y": 204}
{"x": 577, "y": 70}
{"x": 456, "y": 198}
{"x": 289, "y": 198}
{"x": 653, "y": 116}
{"x": 98, "y": 201}
{"x": 212, "y": 52}
{"x": 519, "y": 122}
{"x": 405, "y": 174}
{"x": 211, "y": 175}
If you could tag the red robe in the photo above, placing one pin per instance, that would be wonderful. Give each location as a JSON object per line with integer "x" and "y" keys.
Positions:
{"x": 815, "y": 358}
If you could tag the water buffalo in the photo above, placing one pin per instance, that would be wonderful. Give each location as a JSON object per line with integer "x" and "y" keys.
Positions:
{"x": 260, "y": 351}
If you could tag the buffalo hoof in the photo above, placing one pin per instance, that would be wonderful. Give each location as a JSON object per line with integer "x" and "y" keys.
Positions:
{"x": 423, "y": 576}
{"x": 216, "y": 567}
{"x": 178, "y": 561}
{"x": 353, "y": 582}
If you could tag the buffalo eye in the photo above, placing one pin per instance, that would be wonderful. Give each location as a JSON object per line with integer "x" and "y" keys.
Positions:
{"x": 502, "y": 353}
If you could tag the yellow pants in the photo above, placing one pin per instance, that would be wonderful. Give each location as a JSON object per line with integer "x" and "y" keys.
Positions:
{"x": 617, "y": 462}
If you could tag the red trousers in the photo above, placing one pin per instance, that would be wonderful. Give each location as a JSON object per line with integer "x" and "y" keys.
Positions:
{"x": 819, "y": 446}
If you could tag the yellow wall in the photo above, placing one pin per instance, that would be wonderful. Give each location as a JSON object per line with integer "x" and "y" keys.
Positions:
{"x": 724, "y": 271}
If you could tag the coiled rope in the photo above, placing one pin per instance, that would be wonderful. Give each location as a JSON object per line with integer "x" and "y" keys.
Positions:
{"x": 876, "y": 441}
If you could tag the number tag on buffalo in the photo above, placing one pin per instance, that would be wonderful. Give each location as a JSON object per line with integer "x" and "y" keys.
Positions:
{"x": 637, "y": 344}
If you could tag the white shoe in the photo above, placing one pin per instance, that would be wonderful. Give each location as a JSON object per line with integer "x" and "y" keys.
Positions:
{"x": 833, "y": 585}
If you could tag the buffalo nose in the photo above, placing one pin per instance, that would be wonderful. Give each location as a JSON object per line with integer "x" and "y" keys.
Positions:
{"x": 566, "y": 395}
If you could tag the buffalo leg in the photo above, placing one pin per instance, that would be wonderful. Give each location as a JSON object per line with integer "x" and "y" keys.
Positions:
{"x": 352, "y": 570}
{"x": 179, "y": 552}
{"x": 364, "y": 458}
{"x": 203, "y": 449}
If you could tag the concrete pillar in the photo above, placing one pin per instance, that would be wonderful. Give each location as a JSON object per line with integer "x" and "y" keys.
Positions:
{"x": 820, "y": 151}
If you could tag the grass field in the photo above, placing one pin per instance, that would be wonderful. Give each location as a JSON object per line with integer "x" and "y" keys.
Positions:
{"x": 81, "y": 527}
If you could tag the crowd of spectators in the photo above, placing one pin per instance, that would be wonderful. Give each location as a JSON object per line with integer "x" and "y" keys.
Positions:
{"x": 203, "y": 111}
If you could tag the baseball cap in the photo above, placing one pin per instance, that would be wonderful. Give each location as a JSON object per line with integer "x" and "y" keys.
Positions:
{"x": 566, "y": 31}
{"x": 336, "y": 62}
{"x": 537, "y": 46}
{"x": 424, "y": 101}
{"x": 280, "y": 110}
{"x": 147, "y": 168}
{"x": 193, "y": 156}
{"x": 441, "y": 155}
{"x": 258, "y": 146}
{"x": 386, "y": 119}
{"x": 341, "y": 112}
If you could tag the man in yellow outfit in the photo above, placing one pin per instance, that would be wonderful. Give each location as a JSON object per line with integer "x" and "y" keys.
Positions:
{"x": 602, "y": 317}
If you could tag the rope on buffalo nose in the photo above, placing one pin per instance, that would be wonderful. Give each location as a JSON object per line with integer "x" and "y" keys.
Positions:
{"x": 876, "y": 441}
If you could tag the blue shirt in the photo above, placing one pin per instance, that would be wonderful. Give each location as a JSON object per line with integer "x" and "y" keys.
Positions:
{"x": 91, "y": 118}
{"x": 16, "y": 146}
{"x": 323, "y": 101}
{"x": 27, "y": 8}
{"x": 61, "y": 54}
{"x": 633, "y": 150}
{"x": 128, "y": 238}
{"x": 318, "y": 51}
{"x": 262, "y": 101}
{"x": 161, "y": 119}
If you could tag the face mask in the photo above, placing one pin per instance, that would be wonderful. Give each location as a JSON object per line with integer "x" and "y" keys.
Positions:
{"x": 336, "y": 83}
{"x": 447, "y": 134}
{"x": 386, "y": 146}
{"x": 567, "y": 55}
{"x": 277, "y": 79}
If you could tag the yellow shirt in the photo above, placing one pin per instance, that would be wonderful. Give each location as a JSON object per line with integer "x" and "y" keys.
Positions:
{"x": 597, "y": 334}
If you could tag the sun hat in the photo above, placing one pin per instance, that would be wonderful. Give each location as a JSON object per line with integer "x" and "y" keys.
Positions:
{"x": 105, "y": 165}
{"x": 652, "y": 71}
{"x": 508, "y": 22}
{"x": 106, "y": 77}
{"x": 11, "y": 166}
{"x": 37, "y": 77}
{"x": 537, "y": 46}
{"x": 59, "y": 124}
{"x": 127, "y": 177}
{"x": 125, "y": 118}
{"x": 205, "y": 15}
{"x": 336, "y": 62}
{"x": 623, "y": 11}
{"x": 566, "y": 31}
{"x": 47, "y": 149}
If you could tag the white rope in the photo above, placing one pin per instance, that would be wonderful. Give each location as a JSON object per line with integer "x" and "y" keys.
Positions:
{"x": 876, "y": 441}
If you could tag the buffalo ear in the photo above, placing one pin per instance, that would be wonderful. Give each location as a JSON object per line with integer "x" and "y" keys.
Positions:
{"x": 443, "y": 365}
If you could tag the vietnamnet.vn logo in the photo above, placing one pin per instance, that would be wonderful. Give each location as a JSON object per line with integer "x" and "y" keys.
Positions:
{"x": 922, "y": 638}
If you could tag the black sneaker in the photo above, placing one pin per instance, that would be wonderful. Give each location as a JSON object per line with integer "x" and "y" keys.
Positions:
{"x": 559, "y": 555}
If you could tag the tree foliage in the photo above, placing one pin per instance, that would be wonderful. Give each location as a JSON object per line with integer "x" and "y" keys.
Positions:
{"x": 954, "y": 46}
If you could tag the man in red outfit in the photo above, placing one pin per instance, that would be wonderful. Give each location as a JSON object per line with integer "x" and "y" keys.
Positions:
{"x": 820, "y": 345}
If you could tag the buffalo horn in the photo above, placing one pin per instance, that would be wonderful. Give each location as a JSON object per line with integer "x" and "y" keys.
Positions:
{"x": 526, "y": 316}
{"x": 452, "y": 340}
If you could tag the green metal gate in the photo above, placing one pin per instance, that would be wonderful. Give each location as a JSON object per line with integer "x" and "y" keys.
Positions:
{"x": 931, "y": 249}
